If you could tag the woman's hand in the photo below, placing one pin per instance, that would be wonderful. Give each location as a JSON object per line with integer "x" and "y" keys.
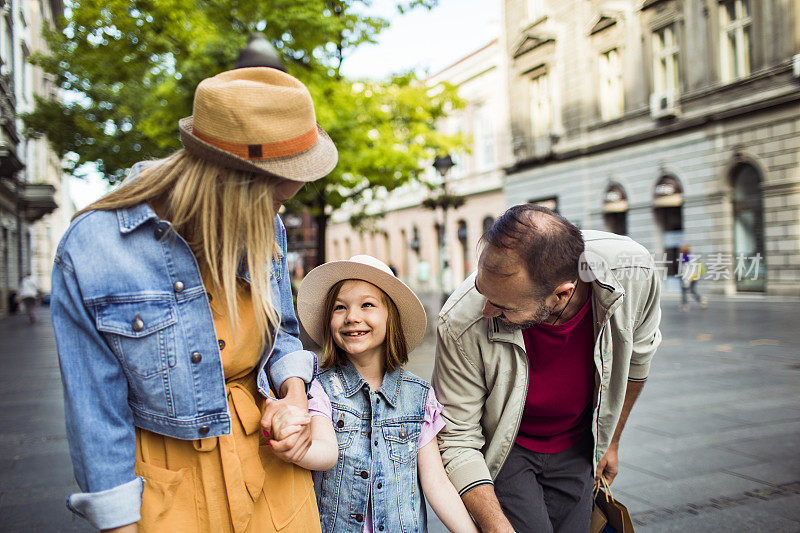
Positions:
{"x": 294, "y": 446}
{"x": 289, "y": 420}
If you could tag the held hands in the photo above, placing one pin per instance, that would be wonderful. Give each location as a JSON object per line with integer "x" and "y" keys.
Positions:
{"x": 286, "y": 422}
{"x": 287, "y": 425}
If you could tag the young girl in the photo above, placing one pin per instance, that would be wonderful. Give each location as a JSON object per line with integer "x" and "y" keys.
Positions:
{"x": 385, "y": 418}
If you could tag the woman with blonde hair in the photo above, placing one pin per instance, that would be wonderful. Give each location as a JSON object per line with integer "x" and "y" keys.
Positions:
{"x": 175, "y": 325}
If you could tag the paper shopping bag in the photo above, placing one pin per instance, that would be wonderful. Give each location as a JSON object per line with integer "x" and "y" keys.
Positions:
{"x": 609, "y": 515}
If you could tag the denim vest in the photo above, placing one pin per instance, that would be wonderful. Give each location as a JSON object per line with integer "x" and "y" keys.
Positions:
{"x": 377, "y": 433}
{"x": 137, "y": 347}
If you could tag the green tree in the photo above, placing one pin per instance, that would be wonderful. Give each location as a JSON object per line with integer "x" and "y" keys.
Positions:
{"x": 128, "y": 70}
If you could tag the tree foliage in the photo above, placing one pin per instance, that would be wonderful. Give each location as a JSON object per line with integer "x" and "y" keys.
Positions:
{"x": 128, "y": 70}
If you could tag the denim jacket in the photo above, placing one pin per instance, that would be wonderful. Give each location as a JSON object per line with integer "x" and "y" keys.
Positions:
{"x": 137, "y": 347}
{"x": 378, "y": 432}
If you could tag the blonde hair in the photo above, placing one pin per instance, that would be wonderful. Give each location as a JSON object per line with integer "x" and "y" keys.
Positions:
{"x": 223, "y": 214}
{"x": 395, "y": 350}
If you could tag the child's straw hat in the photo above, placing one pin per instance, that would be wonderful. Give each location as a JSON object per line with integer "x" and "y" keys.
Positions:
{"x": 316, "y": 285}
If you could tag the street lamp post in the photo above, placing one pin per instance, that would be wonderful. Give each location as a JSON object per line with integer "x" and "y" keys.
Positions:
{"x": 445, "y": 201}
{"x": 259, "y": 53}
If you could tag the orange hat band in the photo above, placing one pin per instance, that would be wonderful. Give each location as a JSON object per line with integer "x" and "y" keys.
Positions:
{"x": 266, "y": 150}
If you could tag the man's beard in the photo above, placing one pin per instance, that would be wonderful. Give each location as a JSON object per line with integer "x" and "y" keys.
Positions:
{"x": 542, "y": 313}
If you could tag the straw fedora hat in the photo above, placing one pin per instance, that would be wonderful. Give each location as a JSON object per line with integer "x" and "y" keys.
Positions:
{"x": 259, "y": 120}
{"x": 317, "y": 283}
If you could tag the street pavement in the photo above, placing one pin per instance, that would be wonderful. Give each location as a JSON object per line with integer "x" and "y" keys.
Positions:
{"x": 711, "y": 446}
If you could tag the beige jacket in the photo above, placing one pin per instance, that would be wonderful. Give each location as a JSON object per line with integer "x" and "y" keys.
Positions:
{"x": 481, "y": 371}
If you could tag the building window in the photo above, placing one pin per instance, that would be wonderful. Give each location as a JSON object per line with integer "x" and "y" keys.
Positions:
{"x": 615, "y": 209}
{"x": 548, "y": 203}
{"x": 612, "y": 92}
{"x": 415, "y": 244}
{"x": 668, "y": 210}
{"x": 535, "y": 9}
{"x": 484, "y": 140}
{"x": 748, "y": 228}
{"x": 7, "y": 45}
{"x": 541, "y": 105}
{"x": 487, "y": 224}
{"x": 666, "y": 77}
{"x": 735, "y": 45}
{"x": 463, "y": 240}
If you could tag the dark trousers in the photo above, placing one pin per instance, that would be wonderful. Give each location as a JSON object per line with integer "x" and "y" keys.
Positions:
{"x": 547, "y": 492}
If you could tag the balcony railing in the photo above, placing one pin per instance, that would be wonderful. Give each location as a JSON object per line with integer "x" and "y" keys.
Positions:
{"x": 533, "y": 148}
{"x": 38, "y": 200}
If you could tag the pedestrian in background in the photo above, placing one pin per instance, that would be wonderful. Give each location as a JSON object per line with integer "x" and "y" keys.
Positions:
{"x": 691, "y": 271}
{"x": 174, "y": 322}
{"x": 386, "y": 418}
{"x": 29, "y": 294}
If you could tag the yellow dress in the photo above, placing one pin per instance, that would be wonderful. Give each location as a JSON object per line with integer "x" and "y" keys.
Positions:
{"x": 233, "y": 483}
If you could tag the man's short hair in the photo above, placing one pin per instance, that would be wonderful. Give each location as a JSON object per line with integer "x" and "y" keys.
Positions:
{"x": 549, "y": 245}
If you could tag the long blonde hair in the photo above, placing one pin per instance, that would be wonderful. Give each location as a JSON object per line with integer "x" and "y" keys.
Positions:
{"x": 223, "y": 214}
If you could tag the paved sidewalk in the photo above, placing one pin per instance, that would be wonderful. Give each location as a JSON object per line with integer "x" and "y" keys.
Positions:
{"x": 711, "y": 446}
{"x": 34, "y": 458}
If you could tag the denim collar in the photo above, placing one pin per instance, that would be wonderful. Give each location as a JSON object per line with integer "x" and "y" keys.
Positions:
{"x": 132, "y": 217}
{"x": 353, "y": 382}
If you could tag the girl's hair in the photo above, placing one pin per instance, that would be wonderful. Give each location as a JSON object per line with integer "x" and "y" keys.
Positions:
{"x": 395, "y": 349}
{"x": 225, "y": 216}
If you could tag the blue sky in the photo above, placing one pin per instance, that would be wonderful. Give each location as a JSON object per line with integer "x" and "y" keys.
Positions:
{"x": 425, "y": 40}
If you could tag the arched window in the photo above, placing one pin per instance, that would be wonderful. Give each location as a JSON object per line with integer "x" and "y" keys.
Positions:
{"x": 414, "y": 244}
{"x": 668, "y": 212}
{"x": 463, "y": 242}
{"x": 487, "y": 224}
{"x": 748, "y": 228}
{"x": 615, "y": 209}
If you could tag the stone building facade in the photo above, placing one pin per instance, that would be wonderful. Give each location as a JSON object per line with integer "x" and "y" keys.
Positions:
{"x": 30, "y": 174}
{"x": 409, "y": 236}
{"x": 673, "y": 121}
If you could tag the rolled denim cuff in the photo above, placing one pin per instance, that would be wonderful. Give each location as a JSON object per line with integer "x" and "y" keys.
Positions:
{"x": 106, "y": 509}
{"x": 300, "y": 364}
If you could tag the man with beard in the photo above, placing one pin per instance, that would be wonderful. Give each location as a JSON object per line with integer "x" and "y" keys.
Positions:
{"x": 541, "y": 355}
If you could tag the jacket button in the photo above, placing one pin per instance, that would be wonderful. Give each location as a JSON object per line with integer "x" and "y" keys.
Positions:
{"x": 380, "y": 528}
{"x": 196, "y": 357}
{"x": 376, "y": 443}
{"x": 359, "y": 518}
{"x": 364, "y": 474}
{"x": 340, "y": 424}
{"x": 380, "y": 485}
{"x": 177, "y": 286}
{"x": 161, "y": 230}
{"x": 138, "y": 324}
{"x": 221, "y": 344}
{"x": 204, "y": 430}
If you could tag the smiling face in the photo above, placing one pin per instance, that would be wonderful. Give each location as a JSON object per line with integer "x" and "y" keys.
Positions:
{"x": 358, "y": 319}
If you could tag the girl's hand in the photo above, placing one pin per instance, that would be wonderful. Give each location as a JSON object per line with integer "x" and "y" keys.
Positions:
{"x": 288, "y": 420}
{"x": 290, "y": 449}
